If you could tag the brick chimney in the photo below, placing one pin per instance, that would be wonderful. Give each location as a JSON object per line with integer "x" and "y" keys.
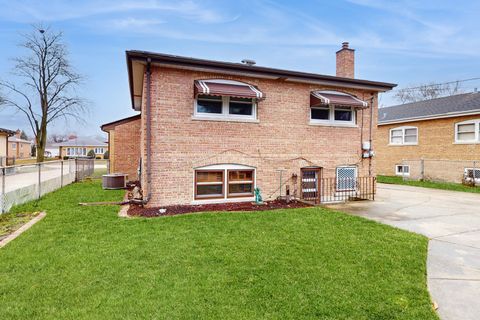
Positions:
{"x": 346, "y": 62}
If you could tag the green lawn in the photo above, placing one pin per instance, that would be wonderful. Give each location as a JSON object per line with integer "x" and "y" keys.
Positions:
{"x": 428, "y": 184}
{"x": 86, "y": 263}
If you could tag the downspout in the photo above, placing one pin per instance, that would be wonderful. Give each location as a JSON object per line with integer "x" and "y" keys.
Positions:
{"x": 149, "y": 133}
{"x": 370, "y": 136}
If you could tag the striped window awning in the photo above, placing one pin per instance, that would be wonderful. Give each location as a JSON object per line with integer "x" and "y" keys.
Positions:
{"x": 318, "y": 98}
{"x": 227, "y": 89}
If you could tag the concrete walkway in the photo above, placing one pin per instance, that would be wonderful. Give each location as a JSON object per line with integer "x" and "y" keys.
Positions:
{"x": 452, "y": 222}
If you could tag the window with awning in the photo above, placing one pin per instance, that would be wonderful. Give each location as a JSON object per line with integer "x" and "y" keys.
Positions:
{"x": 334, "y": 108}
{"x": 225, "y": 99}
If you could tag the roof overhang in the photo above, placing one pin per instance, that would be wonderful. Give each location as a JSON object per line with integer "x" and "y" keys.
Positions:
{"x": 111, "y": 125}
{"x": 7, "y": 132}
{"x": 430, "y": 117}
{"x": 137, "y": 60}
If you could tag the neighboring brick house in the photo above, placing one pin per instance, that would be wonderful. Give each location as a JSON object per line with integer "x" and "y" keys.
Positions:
{"x": 440, "y": 137}
{"x": 78, "y": 147}
{"x": 19, "y": 148}
{"x": 212, "y": 131}
{"x": 124, "y": 146}
{"x": 4, "y": 134}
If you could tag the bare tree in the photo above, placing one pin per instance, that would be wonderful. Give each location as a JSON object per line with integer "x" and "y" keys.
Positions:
{"x": 427, "y": 91}
{"x": 49, "y": 82}
{"x": 55, "y": 137}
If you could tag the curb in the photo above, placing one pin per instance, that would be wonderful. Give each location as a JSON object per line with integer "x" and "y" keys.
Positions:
{"x": 22, "y": 229}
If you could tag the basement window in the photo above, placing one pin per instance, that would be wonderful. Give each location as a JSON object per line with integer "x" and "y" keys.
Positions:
{"x": 346, "y": 178}
{"x": 402, "y": 170}
{"x": 223, "y": 182}
{"x": 472, "y": 175}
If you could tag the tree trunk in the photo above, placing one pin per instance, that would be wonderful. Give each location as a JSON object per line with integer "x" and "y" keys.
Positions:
{"x": 41, "y": 142}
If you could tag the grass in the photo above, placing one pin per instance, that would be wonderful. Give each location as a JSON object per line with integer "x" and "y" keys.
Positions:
{"x": 32, "y": 160}
{"x": 86, "y": 263}
{"x": 9, "y": 222}
{"x": 428, "y": 184}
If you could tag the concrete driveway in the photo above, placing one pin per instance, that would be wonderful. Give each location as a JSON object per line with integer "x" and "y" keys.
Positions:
{"x": 452, "y": 222}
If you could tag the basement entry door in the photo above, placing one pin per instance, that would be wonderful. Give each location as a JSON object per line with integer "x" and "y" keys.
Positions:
{"x": 310, "y": 184}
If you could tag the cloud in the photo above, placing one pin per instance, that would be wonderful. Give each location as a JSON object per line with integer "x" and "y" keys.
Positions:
{"x": 29, "y": 11}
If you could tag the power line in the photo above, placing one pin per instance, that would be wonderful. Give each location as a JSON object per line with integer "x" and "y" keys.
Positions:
{"x": 434, "y": 84}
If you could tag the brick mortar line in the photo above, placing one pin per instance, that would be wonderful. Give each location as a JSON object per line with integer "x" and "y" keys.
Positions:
{"x": 22, "y": 229}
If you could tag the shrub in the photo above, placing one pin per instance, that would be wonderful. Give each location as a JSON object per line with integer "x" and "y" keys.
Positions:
{"x": 91, "y": 154}
{"x": 106, "y": 155}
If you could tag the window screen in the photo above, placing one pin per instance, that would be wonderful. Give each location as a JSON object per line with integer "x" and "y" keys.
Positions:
{"x": 346, "y": 178}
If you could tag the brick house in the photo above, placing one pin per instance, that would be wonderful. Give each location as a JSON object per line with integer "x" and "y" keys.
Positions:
{"x": 4, "y": 135}
{"x": 437, "y": 139}
{"x": 19, "y": 148}
{"x": 78, "y": 147}
{"x": 124, "y": 145}
{"x": 213, "y": 131}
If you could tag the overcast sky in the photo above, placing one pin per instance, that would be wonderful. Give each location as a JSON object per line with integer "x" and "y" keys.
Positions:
{"x": 405, "y": 42}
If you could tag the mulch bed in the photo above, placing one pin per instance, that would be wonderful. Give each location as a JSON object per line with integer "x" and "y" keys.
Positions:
{"x": 138, "y": 210}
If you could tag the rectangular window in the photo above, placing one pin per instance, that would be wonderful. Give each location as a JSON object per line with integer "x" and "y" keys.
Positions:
{"x": 404, "y": 136}
{"x": 225, "y": 107}
{"x": 320, "y": 113}
{"x": 335, "y": 115}
{"x": 343, "y": 114}
{"x": 466, "y": 132}
{"x": 402, "y": 170}
{"x": 209, "y": 184}
{"x": 240, "y": 106}
{"x": 240, "y": 183}
{"x": 14, "y": 146}
{"x": 346, "y": 178}
{"x": 209, "y": 104}
{"x": 99, "y": 150}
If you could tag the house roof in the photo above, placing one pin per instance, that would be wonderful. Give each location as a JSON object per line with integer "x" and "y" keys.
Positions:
{"x": 81, "y": 142}
{"x": 15, "y": 139}
{"x": 110, "y": 125}
{"x": 137, "y": 61}
{"x": 7, "y": 132}
{"x": 445, "y": 107}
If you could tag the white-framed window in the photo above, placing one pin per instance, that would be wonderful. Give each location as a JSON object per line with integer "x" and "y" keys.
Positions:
{"x": 225, "y": 107}
{"x": 99, "y": 150}
{"x": 467, "y": 131}
{"x": 14, "y": 146}
{"x": 472, "y": 173}
{"x": 333, "y": 115}
{"x": 346, "y": 178}
{"x": 224, "y": 182}
{"x": 402, "y": 170}
{"x": 404, "y": 136}
{"x": 76, "y": 151}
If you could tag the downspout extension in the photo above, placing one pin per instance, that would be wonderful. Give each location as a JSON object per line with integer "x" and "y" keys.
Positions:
{"x": 149, "y": 132}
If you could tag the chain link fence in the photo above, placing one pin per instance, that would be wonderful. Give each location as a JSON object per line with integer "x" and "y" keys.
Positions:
{"x": 457, "y": 171}
{"x": 23, "y": 183}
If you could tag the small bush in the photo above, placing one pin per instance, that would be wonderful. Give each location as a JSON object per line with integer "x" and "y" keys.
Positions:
{"x": 91, "y": 154}
{"x": 106, "y": 155}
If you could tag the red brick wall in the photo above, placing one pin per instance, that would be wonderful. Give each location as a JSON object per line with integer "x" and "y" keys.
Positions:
{"x": 282, "y": 139}
{"x": 125, "y": 154}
